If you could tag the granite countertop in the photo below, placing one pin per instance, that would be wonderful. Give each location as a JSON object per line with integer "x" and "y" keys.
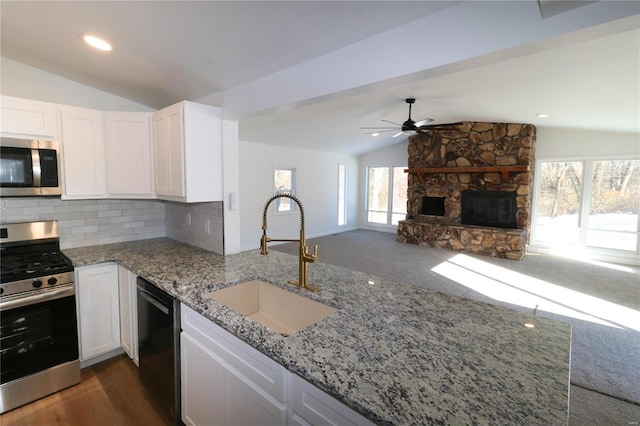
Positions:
{"x": 397, "y": 353}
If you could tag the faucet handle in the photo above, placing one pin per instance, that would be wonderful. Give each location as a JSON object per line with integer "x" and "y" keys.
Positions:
{"x": 263, "y": 244}
{"x": 315, "y": 251}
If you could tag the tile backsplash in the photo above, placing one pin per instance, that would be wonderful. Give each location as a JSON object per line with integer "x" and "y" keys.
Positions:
{"x": 197, "y": 224}
{"x": 88, "y": 222}
{"x": 84, "y": 223}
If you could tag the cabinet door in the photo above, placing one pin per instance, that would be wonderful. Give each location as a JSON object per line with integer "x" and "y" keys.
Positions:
{"x": 99, "y": 309}
{"x": 27, "y": 118}
{"x": 128, "y": 313}
{"x": 201, "y": 385}
{"x": 169, "y": 151}
{"x": 128, "y": 154}
{"x": 83, "y": 153}
{"x": 248, "y": 404}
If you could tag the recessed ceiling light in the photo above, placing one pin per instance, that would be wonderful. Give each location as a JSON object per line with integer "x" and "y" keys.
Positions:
{"x": 543, "y": 115}
{"x": 375, "y": 134}
{"x": 97, "y": 43}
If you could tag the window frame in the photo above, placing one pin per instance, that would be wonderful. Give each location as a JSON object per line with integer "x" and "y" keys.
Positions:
{"x": 389, "y": 211}
{"x": 602, "y": 253}
{"x": 292, "y": 190}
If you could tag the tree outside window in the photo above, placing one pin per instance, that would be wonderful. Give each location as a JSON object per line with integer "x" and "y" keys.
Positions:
{"x": 284, "y": 183}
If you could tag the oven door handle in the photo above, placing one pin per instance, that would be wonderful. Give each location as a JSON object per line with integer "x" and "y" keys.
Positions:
{"x": 154, "y": 301}
{"x": 63, "y": 291}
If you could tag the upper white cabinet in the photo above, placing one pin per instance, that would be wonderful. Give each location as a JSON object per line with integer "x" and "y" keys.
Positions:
{"x": 83, "y": 156}
{"x": 26, "y": 118}
{"x": 188, "y": 152}
{"x": 129, "y": 171}
{"x": 98, "y": 308}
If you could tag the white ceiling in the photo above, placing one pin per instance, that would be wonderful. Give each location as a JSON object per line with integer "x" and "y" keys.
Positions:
{"x": 165, "y": 51}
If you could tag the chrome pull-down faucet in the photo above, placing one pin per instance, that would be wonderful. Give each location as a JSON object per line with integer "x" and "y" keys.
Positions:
{"x": 304, "y": 257}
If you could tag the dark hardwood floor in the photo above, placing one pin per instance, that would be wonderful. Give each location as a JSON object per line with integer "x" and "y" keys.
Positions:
{"x": 109, "y": 394}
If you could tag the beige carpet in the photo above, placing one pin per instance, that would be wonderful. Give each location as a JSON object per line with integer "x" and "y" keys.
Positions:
{"x": 601, "y": 304}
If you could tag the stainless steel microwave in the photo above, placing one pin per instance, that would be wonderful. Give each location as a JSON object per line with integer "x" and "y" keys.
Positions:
{"x": 29, "y": 167}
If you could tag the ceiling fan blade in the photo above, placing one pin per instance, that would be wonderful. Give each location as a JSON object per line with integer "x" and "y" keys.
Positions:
{"x": 398, "y": 134}
{"x": 392, "y": 122}
{"x": 379, "y": 128}
{"x": 424, "y": 122}
{"x": 440, "y": 126}
{"x": 380, "y": 131}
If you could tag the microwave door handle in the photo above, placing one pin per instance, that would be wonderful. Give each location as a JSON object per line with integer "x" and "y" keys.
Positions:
{"x": 37, "y": 170}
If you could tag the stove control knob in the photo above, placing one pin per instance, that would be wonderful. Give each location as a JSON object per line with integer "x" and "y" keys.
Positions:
{"x": 37, "y": 283}
{"x": 52, "y": 280}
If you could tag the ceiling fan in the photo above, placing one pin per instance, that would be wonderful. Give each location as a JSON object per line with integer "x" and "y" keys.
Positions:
{"x": 409, "y": 127}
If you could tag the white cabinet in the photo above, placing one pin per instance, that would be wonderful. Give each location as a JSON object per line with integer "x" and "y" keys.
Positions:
{"x": 83, "y": 152}
{"x": 128, "y": 313}
{"x": 224, "y": 380}
{"x": 227, "y": 382}
{"x": 127, "y": 144}
{"x": 98, "y": 308}
{"x": 310, "y": 405}
{"x": 26, "y": 118}
{"x": 187, "y": 140}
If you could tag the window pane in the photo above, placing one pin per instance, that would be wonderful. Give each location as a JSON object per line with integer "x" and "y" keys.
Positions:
{"x": 615, "y": 197}
{"x": 399, "y": 192}
{"x": 377, "y": 217}
{"x": 284, "y": 183}
{"x": 378, "y": 195}
{"x": 342, "y": 194}
{"x": 559, "y": 202}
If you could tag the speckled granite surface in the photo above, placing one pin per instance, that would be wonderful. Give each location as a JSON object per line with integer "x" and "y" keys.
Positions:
{"x": 396, "y": 353}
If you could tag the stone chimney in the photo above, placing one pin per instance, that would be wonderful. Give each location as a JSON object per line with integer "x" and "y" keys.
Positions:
{"x": 470, "y": 188}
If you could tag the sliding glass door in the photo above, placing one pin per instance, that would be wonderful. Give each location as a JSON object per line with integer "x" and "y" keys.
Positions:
{"x": 588, "y": 203}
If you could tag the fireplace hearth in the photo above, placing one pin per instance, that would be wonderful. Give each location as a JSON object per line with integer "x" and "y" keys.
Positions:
{"x": 489, "y": 208}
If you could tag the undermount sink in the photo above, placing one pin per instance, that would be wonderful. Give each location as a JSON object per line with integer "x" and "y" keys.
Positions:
{"x": 277, "y": 309}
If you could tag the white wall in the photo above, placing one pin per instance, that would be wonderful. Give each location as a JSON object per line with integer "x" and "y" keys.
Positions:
{"x": 317, "y": 188}
{"x": 567, "y": 143}
{"x": 23, "y": 81}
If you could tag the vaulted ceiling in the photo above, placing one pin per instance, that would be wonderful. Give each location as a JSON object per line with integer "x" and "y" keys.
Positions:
{"x": 310, "y": 73}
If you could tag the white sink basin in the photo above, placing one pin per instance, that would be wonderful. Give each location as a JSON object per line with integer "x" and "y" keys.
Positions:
{"x": 277, "y": 309}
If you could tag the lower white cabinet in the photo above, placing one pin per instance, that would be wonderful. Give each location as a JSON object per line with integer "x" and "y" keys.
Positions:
{"x": 98, "y": 308}
{"x": 227, "y": 382}
{"x": 224, "y": 380}
{"x": 128, "y": 313}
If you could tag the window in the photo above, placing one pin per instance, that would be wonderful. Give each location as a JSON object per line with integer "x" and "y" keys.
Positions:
{"x": 589, "y": 203}
{"x": 284, "y": 183}
{"x": 342, "y": 194}
{"x": 386, "y": 195}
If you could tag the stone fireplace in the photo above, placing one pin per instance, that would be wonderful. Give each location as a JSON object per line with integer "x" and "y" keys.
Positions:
{"x": 470, "y": 188}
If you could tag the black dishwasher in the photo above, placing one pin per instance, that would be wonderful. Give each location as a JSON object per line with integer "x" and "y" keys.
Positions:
{"x": 159, "y": 348}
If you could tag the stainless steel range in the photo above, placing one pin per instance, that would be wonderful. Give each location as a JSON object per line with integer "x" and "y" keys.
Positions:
{"x": 39, "y": 332}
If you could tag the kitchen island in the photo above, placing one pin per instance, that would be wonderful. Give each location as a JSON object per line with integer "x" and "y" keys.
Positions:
{"x": 394, "y": 352}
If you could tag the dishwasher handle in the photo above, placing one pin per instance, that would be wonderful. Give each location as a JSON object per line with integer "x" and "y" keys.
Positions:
{"x": 154, "y": 301}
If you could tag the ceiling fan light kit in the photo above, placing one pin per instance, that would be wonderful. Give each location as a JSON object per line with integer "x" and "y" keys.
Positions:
{"x": 409, "y": 127}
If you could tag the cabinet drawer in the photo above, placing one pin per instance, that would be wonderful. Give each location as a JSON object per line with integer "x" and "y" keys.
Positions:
{"x": 311, "y": 405}
{"x": 237, "y": 355}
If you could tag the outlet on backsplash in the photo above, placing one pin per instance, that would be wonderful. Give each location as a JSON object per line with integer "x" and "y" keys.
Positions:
{"x": 188, "y": 219}
{"x": 207, "y": 226}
